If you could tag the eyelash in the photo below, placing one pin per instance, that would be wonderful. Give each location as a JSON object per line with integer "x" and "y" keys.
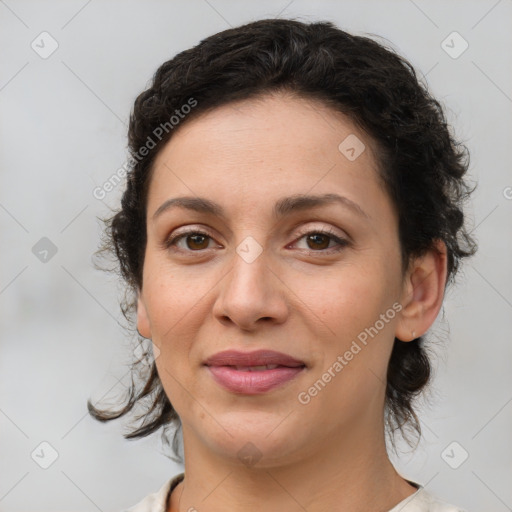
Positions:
{"x": 342, "y": 243}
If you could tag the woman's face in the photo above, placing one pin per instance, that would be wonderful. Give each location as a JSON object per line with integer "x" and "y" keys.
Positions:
{"x": 262, "y": 276}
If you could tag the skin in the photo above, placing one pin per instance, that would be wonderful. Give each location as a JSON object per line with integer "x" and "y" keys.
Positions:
{"x": 296, "y": 297}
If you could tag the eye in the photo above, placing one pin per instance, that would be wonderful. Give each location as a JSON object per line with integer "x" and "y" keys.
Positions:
{"x": 198, "y": 241}
{"x": 318, "y": 240}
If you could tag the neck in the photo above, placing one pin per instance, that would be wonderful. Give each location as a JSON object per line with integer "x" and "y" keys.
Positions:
{"x": 348, "y": 472}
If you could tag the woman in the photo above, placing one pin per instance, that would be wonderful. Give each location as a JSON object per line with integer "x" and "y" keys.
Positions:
{"x": 292, "y": 216}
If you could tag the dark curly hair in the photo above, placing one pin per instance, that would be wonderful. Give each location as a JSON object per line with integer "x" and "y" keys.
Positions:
{"x": 421, "y": 165}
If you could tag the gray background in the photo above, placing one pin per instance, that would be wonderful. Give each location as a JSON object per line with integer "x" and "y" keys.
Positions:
{"x": 63, "y": 133}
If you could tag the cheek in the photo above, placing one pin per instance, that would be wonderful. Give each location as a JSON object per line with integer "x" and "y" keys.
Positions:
{"x": 178, "y": 301}
{"x": 352, "y": 310}
{"x": 170, "y": 308}
{"x": 350, "y": 300}
{"x": 358, "y": 318}
{"x": 170, "y": 296}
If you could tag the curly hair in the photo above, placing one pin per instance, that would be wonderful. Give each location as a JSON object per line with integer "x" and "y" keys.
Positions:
{"x": 421, "y": 164}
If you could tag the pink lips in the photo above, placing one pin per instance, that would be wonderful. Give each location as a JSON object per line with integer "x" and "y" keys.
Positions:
{"x": 238, "y": 371}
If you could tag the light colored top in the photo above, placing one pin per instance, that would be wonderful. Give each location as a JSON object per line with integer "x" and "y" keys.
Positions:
{"x": 420, "y": 501}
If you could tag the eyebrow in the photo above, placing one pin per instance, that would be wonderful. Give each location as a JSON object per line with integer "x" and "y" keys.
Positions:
{"x": 283, "y": 206}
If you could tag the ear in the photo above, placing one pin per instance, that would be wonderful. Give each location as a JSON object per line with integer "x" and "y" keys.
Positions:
{"x": 142, "y": 319}
{"x": 422, "y": 293}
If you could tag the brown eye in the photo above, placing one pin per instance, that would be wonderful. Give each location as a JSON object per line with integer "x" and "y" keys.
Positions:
{"x": 318, "y": 241}
{"x": 194, "y": 241}
{"x": 198, "y": 241}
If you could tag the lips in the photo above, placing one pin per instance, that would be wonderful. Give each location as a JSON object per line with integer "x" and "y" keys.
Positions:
{"x": 252, "y": 360}
{"x": 253, "y": 373}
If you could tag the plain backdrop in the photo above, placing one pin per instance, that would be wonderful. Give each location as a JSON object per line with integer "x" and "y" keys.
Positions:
{"x": 63, "y": 127}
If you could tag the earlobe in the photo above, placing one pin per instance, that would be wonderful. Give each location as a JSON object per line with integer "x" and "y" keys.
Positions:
{"x": 143, "y": 326}
{"x": 423, "y": 293}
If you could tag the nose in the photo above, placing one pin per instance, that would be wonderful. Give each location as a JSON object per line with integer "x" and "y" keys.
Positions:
{"x": 251, "y": 294}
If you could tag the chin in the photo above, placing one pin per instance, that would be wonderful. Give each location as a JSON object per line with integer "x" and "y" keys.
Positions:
{"x": 258, "y": 446}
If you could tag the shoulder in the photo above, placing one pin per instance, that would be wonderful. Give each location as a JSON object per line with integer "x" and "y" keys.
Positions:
{"x": 157, "y": 501}
{"x": 424, "y": 501}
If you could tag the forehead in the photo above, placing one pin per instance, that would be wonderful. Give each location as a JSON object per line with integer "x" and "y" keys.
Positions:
{"x": 303, "y": 127}
{"x": 259, "y": 149}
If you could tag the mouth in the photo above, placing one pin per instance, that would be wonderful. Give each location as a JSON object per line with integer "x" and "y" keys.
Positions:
{"x": 259, "y": 368}
{"x": 255, "y": 359}
{"x": 253, "y": 373}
